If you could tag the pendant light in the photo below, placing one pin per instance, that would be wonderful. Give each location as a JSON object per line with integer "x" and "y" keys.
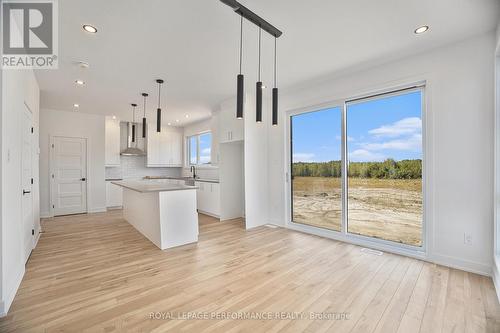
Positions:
{"x": 133, "y": 121}
{"x": 275, "y": 89}
{"x": 158, "y": 111}
{"x": 240, "y": 79}
{"x": 145, "y": 95}
{"x": 258, "y": 93}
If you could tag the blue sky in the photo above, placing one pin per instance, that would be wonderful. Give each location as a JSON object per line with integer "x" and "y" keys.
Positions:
{"x": 389, "y": 127}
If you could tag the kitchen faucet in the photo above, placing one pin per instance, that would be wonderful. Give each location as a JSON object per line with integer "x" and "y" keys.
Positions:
{"x": 193, "y": 170}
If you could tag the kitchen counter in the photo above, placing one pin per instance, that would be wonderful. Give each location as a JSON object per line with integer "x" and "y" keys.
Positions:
{"x": 145, "y": 186}
{"x": 163, "y": 212}
{"x": 215, "y": 181}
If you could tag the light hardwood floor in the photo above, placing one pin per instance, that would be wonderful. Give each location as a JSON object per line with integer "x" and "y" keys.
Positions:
{"x": 95, "y": 273}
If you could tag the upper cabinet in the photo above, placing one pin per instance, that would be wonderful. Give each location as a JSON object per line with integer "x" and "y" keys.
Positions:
{"x": 164, "y": 149}
{"x": 112, "y": 142}
{"x": 230, "y": 127}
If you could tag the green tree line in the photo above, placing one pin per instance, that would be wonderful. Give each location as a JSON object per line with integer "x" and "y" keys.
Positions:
{"x": 388, "y": 169}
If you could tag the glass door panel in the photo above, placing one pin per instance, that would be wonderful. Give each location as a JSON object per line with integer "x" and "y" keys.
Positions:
{"x": 316, "y": 168}
{"x": 384, "y": 153}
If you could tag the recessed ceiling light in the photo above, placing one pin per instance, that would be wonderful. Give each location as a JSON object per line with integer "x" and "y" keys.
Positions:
{"x": 80, "y": 82}
{"x": 82, "y": 64}
{"x": 90, "y": 28}
{"x": 187, "y": 116}
{"x": 169, "y": 124}
{"x": 263, "y": 86}
{"x": 76, "y": 105}
{"x": 421, "y": 30}
{"x": 176, "y": 120}
{"x": 114, "y": 117}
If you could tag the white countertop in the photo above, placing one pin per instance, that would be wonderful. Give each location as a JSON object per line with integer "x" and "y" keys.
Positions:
{"x": 145, "y": 186}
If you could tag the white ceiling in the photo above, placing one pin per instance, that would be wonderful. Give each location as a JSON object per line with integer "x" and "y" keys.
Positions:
{"x": 193, "y": 45}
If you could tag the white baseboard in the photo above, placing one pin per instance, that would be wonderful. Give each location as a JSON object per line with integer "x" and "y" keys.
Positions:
{"x": 9, "y": 298}
{"x": 209, "y": 214}
{"x": 97, "y": 210}
{"x": 45, "y": 215}
{"x": 37, "y": 238}
{"x": 461, "y": 264}
{"x": 495, "y": 276}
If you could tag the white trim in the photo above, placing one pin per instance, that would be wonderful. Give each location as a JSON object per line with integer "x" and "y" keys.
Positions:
{"x": 495, "y": 275}
{"x": 96, "y": 210}
{"x": 5, "y": 305}
{"x": 37, "y": 238}
{"x": 45, "y": 215}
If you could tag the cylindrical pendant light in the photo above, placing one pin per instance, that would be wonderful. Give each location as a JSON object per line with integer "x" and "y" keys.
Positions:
{"x": 240, "y": 79}
{"x": 144, "y": 116}
{"x": 133, "y": 121}
{"x": 158, "y": 111}
{"x": 275, "y": 89}
{"x": 258, "y": 93}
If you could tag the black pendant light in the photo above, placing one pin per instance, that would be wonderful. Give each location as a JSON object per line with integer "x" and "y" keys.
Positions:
{"x": 133, "y": 121}
{"x": 158, "y": 111}
{"x": 240, "y": 79}
{"x": 144, "y": 116}
{"x": 258, "y": 93}
{"x": 275, "y": 89}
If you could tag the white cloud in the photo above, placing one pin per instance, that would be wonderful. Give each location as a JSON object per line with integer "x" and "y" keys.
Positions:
{"x": 406, "y": 126}
{"x": 206, "y": 151}
{"x": 363, "y": 155}
{"x": 303, "y": 157}
{"x": 413, "y": 143}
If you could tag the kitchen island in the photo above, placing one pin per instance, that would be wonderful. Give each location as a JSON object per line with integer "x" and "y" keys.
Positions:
{"x": 164, "y": 213}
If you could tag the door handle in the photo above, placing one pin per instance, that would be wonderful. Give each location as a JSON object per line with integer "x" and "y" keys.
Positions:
{"x": 83, "y": 179}
{"x": 26, "y": 192}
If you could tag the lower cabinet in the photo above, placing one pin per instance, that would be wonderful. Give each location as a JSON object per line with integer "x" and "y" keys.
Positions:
{"x": 114, "y": 195}
{"x": 208, "y": 198}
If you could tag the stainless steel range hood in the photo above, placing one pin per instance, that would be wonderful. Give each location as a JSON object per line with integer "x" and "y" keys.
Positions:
{"x": 132, "y": 149}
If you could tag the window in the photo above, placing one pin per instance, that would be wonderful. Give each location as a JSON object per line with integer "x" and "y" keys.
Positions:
{"x": 200, "y": 148}
{"x": 356, "y": 167}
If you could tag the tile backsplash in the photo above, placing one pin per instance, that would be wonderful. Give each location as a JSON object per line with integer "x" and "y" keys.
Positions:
{"x": 135, "y": 167}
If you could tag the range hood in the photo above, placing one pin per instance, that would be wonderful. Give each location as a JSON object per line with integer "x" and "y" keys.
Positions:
{"x": 132, "y": 149}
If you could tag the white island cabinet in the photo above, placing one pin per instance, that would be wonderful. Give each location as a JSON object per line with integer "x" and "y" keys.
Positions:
{"x": 164, "y": 213}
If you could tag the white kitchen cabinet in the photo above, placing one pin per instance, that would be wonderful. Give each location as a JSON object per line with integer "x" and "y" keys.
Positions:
{"x": 208, "y": 198}
{"x": 164, "y": 149}
{"x": 230, "y": 127}
{"x": 112, "y": 142}
{"x": 114, "y": 195}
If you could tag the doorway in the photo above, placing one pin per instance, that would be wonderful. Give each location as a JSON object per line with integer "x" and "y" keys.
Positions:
{"x": 68, "y": 175}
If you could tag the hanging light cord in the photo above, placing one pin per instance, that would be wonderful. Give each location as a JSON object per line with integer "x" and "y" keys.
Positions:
{"x": 159, "y": 92}
{"x": 275, "y": 62}
{"x": 260, "y": 33}
{"x": 241, "y": 40}
{"x": 133, "y": 114}
{"x": 144, "y": 106}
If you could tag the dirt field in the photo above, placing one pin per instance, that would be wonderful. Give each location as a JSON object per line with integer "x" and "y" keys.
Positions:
{"x": 382, "y": 208}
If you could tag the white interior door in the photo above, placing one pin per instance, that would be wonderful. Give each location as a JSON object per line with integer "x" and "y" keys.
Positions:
{"x": 26, "y": 183}
{"x": 69, "y": 175}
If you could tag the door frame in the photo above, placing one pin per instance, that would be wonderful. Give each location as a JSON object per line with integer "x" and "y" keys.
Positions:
{"x": 343, "y": 235}
{"x": 51, "y": 170}
{"x": 34, "y": 237}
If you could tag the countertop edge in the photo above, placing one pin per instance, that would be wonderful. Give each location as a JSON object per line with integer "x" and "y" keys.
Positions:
{"x": 132, "y": 188}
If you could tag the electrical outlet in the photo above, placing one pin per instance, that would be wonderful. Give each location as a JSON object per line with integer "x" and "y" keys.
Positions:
{"x": 467, "y": 238}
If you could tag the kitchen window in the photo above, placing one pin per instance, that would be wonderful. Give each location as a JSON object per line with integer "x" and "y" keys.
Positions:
{"x": 200, "y": 148}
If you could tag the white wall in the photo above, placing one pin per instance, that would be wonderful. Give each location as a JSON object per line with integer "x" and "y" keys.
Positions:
{"x": 74, "y": 124}
{"x": 459, "y": 136}
{"x": 19, "y": 89}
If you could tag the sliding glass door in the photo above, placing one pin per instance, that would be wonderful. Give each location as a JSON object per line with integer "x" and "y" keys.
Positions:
{"x": 316, "y": 168}
{"x": 382, "y": 136}
{"x": 385, "y": 167}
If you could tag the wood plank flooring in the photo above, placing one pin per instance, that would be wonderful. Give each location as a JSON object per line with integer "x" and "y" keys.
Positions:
{"x": 96, "y": 273}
